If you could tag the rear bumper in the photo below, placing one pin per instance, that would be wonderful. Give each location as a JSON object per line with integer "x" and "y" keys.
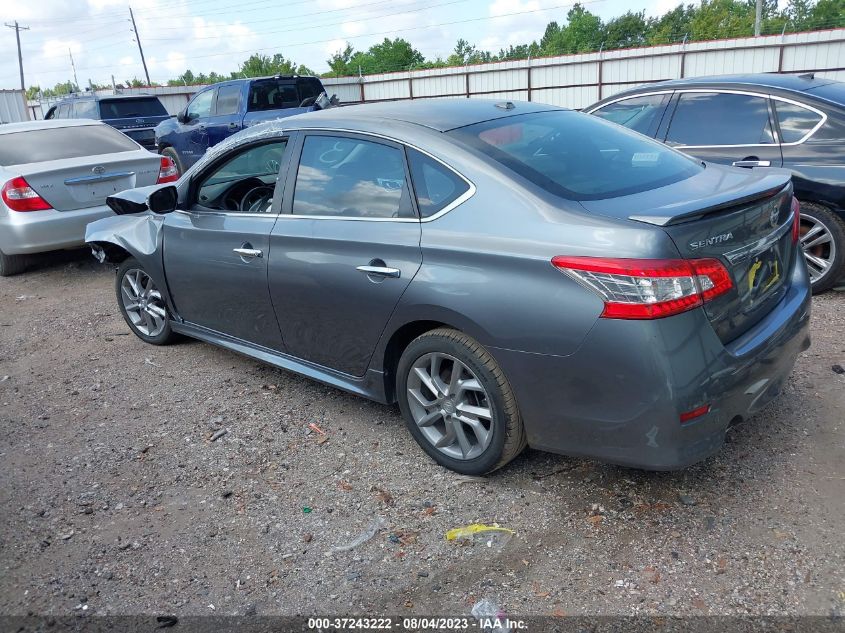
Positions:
{"x": 41, "y": 231}
{"x": 620, "y": 396}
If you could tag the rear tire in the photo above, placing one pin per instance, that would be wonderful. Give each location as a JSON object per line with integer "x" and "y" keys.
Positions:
{"x": 142, "y": 305}
{"x": 820, "y": 220}
{"x": 12, "y": 264}
{"x": 469, "y": 424}
{"x": 174, "y": 156}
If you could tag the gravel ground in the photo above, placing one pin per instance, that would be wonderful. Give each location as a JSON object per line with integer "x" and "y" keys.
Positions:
{"x": 119, "y": 498}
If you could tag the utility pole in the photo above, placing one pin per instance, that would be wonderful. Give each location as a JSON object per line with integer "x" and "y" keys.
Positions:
{"x": 758, "y": 18}
{"x": 140, "y": 49}
{"x": 72, "y": 65}
{"x": 18, "y": 28}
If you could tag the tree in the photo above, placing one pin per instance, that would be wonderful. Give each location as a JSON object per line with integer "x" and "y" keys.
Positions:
{"x": 465, "y": 53}
{"x": 626, "y": 31}
{"x": 722, "y": 18}
{"x": 339, "y": 62}
{"x": 672, "y": 26}
{"x": 828, "y": 14}
{"x": 390, "y": 55}
{"x": 582, "y": 33}
{"x": 258, "y": 65}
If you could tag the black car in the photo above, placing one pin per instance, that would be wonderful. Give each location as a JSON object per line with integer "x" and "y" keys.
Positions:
{"x": 762, "y": 120}
{"x": 134, "y": 115}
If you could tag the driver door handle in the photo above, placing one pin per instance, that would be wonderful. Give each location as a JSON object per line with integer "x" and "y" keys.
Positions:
{"x": 248, "y": 252}
{"x": 382, "y": 271}
{"x": 752, "y": 163}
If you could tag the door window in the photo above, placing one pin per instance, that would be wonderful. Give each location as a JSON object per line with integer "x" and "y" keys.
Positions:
{"x": 63, "y": 111}
{"x": 435, "y": 185}
{"x": 201, "y": 105}
{"x": 351, "y": 178}
{"x": 709, "y": 118}
{"x": 85, "y": 110}
{"x": 228, "y": 99}
{"x": 272, "y": 94}
{"x": 245, "y": 182}
{"x": 641, "y": 114}
{"x": 795, "y": 121}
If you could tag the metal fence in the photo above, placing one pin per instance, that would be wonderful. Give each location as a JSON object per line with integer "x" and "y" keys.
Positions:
{"x": 13, "y": 106}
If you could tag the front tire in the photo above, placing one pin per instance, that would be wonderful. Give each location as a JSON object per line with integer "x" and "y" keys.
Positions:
{"x": 142, "y": 305}
{"x": 12, "y": 264}
{"x": 822, "y": 239}
{"x": 458, "y": 404}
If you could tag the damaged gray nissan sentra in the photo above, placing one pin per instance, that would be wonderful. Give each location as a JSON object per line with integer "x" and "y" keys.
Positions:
{"x": 511, "y": 274}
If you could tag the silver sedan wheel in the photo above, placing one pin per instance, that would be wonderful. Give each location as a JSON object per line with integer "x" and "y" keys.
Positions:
{"x": 449, "y": 405}
{"x": 818, "y": 246}
{"x": 143, "y": 302}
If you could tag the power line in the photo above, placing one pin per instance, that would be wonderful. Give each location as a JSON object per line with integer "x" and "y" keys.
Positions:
{"x": 18, "y": 28}
{"x": 140, "y": 49}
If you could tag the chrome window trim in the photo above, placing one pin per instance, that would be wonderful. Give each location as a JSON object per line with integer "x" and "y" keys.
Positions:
{"x": 241, "y": 214}
{"x": 738, "y": 92}
{"x": 469, "y": 193}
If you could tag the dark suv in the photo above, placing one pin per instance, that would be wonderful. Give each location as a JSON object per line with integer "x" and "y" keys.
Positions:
{"x": 763, "y": 120}
{"x": 134, "y": 115}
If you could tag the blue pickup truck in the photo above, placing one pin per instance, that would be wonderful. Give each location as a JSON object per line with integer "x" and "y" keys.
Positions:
{"x": 223, "y": 109}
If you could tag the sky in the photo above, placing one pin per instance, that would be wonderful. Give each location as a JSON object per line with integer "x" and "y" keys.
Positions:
{"x": 216, "y": 35}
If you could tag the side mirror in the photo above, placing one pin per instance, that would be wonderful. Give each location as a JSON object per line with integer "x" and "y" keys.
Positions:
{"x": 182, "y": 116}
{"x": 156, "y": 198}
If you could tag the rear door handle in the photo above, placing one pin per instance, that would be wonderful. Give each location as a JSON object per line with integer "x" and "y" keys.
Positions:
{"x": 382, "y": 271}
{"x": 752, "y": 163}
{"x": 248, "y": 252}
{"x": 233, "y": 126}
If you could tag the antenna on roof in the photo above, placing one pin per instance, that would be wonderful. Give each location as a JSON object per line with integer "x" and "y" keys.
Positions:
{"x": 505, "y": 105}
{"x": 807, "y": 76}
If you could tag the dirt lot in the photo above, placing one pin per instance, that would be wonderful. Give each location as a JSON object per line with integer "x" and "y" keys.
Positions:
{"x": 115, "y": 500}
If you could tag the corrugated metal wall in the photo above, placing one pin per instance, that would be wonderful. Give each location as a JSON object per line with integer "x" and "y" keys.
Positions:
{"x": 13, "y": 106}
{"x": 576, "y": 81}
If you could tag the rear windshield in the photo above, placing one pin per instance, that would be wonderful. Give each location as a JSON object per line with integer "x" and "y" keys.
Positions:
{"x": 577, "y": 156}
{"x": 35, "y": 146}
{"x": 127, "y": 108}
{"x": 276, "y": 94}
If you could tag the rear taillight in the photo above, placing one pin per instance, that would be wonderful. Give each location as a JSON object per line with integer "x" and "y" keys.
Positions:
{"x": 648, "y": 288}
{"x": 796, "y": 220}
{"x": 167, "y": 172}
{"x": 19, "y": 196}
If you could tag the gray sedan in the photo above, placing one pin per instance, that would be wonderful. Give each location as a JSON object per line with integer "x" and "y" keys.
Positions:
{"x": 55, "y": 176}
{"x": 511, "y": 274}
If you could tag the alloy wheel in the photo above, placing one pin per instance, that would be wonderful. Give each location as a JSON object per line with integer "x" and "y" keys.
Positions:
{"x": 450, "y": 406}
{"x": 818, "y": 246}
{"x": 143, "y": 302}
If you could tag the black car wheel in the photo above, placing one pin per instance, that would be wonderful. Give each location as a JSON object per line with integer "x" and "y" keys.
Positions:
{"x": 458, "y": 404}
{"x": 822, "y": 238}
{"x": 174, "y": 156}
{"x": 12, "y": 264}
{"x": 142, "y": 304}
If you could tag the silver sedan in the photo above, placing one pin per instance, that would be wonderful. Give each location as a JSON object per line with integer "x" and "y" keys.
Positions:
{"x": 54, "y": 179}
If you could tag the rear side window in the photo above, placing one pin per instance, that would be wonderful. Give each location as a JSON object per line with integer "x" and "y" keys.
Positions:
{"x": 795, "y": 121}
{"x": 641, "y": 114}
{"x": 309, "y": 89}
{"x": 578, "y": 156}
{"x": 85, "y": 110}
{"x": 127, "y": 108}
{"x": 228, "y": 99}
{"x": 436, "y": 186}
{"x": 272, "y": 94}
{"x": 709, "y": 118}
{"x": 36, "y": 146}
{"x": 352, "y": 178}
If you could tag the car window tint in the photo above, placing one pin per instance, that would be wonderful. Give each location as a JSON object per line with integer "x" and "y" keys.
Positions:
{"x": 795, "y": 121}
{"x": 53, "y": 143}
{"x": 703, "y": 118}
{"x": 128, "y": 108}
{"x": 63, "y": 111}
{"x": 228, "y": 99}
{"x": 85, "y": 110}
{"x": 641, "y": 114}
{"x": 435, "y": 185}
{"x": 251, "y": 170}
{"x": 309, "y": 89}
{"x": 272, "y": 94}
{"x": 201, "y": 105}
{"x": 578, "y": 156}
{"x": 352, "y": 178}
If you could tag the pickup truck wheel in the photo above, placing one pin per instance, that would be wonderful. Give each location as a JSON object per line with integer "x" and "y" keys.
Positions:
{"x": 12, "y": 264}
{"x": 174, "y": 156}
{"x": 142, "y": 305}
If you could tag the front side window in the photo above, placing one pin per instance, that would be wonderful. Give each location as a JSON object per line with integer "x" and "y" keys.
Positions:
{"x": 795, "y": 121}
{"x": 578, "y": 156}
{"x": 85, "y": 110}
{"x": 201, "y": 105}
{"x": 435, "y": 185}
{"x": 244, "y": 182}
{"x": 349, "y": 177}
{"x": 641, "y": 114}
{"x": 228, "y": 99}
{"x": 711, "y": 118}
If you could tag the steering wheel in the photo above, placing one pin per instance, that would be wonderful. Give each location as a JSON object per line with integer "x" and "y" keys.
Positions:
{"x": 255, "y": 198}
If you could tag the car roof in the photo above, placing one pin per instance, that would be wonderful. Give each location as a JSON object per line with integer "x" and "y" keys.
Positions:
{"x": 441, "y": 115}
{"x": 28, "y": 126}
{"x": 96, "y": 97}
{"x": 789, "y": 83}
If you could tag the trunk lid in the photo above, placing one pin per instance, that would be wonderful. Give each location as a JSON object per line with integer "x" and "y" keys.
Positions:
{"x": 741, "y": 217}
{"x": 78, "y": 183}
